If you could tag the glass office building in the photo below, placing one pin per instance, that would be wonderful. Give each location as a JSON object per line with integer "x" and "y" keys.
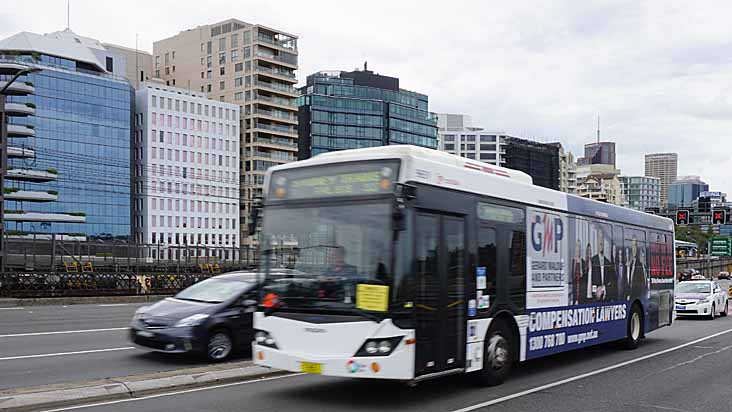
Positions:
{"x": 350, "y": 110}
{"x": 83, "y": 136}
{"x": 683, "y": 192}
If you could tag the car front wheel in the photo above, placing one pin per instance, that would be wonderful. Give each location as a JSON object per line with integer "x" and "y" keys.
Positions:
{"x": 713, "y": 312}
{"x": 724, "y": 311}
{"x": 219, "y": 346}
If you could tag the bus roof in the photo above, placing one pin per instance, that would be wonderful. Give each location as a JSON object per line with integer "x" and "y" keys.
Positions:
{"x": 443, "y": 169}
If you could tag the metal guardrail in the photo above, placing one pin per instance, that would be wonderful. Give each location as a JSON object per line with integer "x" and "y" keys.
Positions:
{"x": 36, "y": 285}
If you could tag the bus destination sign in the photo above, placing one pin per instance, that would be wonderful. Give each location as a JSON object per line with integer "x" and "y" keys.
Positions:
{"x": 331, "y": 181}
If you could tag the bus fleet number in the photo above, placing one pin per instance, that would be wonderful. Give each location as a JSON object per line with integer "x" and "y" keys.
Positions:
{"x": 547, "y": 341}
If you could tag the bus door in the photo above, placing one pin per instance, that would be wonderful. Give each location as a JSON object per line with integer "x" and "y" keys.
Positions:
{"x": 439, "y": 304}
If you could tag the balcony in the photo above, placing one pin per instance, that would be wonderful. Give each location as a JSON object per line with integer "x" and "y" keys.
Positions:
{"x": 276, "y": 87}
{"x": 20, "y": 109}
{"x": 276, "y": 128}
{"x": 19, "y": 88}
{"x": 282, "y": 74}
{"x": 278, "y": 40}
{"x": 19, "y": 130}
{"x": 21, "y": 152}
{"x": 289, "y": 103}
{"x": 10, "y": 69}
{"x": 31, "y": 196}
{"x": 21, "y": 216}
{"x": 277, "y": 59}
{"x": 281, "y": 116}
{"x": 275, "y": 142}
{"x": 282, "y": 157}
{"x": 27, "y": 175}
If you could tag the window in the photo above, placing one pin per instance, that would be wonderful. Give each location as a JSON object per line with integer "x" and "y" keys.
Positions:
{"x": 449, "y": 146}
{"x": 487, "y": 138}
{"x": 234, "y": 55}
{"x": 248, "y": 81}
{"x": 238, "y": 96}
{"x": 501, "y": 214}
{"x": 234, "y": 40}
{"x": 222, "y": 70}
{"x": 487, "y": 156}
{"x": 222, "y": 43}
{"x": 238, "y": 67}
{"x": 449, "y": 137}
{"x": 488, "y": 147}
{"x": 208, "y": 87}
{"x": 222, "y": 58}
{"x": 247, "y": 52}
{"x": 110, "y": 64}
{"x": 222, "y": 84}
{"x": 237, "y": 82}
{"x": 487, "y": 260}
{"x": 208, "y": 47}
{"x": 208, "y": 61}
{"x": 167, "y": 58}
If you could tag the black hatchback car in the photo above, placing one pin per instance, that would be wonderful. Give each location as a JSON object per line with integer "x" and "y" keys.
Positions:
{"x": 212, "y": 317}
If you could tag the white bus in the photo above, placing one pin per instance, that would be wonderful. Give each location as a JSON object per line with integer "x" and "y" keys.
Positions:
{"x": 407, "y": 263}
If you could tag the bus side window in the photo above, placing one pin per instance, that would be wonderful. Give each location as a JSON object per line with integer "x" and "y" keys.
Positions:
{"x": 517, "y": 274}
{"x": 620, "y": 262}
{"x": 487, "y": 259}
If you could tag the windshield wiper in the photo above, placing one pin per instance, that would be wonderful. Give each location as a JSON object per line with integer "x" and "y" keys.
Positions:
{"x": 199, "y": 300}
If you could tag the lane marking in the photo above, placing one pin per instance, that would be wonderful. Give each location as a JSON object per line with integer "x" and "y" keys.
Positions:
{"x": 60, "y": 332}
{"x": 160, "y": 395}
{"x": 12, "y": 308}
{"x": 81, "y": 352}
{"x": 469, "y": 408}
{"x": 588, "y": 374}
{"x": 110, "y": 305}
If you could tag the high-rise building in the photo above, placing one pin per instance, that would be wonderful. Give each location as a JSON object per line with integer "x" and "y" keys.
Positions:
{"x": 252, "y": 66}
{"x": 641, "y": 192}
{"x": 598, "y": 153}
{"x": 138, "y": 67}
{"x": 349, "y": 110}
{"x": 459, "y": 137}
{"x": 684, "y": 191}
{"x": 77, "y": 147}
{"x": 603, "y": 187}
{"x": 665, "y": 167}
{"x": 538, "y": 160}
{"x": 567, "y": 170}
{"x": 186, "y": 189}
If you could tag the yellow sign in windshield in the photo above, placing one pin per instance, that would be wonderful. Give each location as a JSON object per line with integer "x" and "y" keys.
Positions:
{"x": 372, "y": 297}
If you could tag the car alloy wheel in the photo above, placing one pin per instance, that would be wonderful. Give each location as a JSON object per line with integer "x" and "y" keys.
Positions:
{"x": 219, "y": 346}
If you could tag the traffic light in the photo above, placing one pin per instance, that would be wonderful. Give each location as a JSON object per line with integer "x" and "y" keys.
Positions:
{"x": 682, "y": 217}
{"x": 719, "y": 217}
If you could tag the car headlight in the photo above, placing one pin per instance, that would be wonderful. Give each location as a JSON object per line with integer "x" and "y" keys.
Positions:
{"x": 379, "y": 346}
{"x": 705, "y": 300}
{"x": 264, "y": 339}
{"x": 192, "y": 320}
{"x": 139, "y": 312}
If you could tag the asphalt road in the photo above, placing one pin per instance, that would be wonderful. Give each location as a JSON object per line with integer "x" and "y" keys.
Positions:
{"x": 658, "y": 376}
{"x": 54, "y": 344}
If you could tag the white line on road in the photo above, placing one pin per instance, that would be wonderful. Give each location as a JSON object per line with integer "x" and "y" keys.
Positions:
{"x": 224, "y": 385}
{"x": 110, "y": 305}
{"x": 12, "y": 308}
{"x": 81, "y": 352}
{"x": 60, "y": 332}
{"x": 467, "y": 409}
{"x": 588, "y": 374}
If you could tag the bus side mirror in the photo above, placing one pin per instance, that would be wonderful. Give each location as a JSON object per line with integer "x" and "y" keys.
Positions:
{"x": 254, "y": 222}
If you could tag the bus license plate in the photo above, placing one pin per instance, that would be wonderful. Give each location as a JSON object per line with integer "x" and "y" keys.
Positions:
{"x": 310, "y": 367}
{"x": 680, "y": 307}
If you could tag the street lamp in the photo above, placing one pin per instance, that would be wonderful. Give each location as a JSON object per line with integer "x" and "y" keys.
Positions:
{"x": 4, "y": 157}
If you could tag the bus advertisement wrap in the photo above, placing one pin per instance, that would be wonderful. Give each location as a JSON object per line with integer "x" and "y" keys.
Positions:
{"x": 557, "y": 330}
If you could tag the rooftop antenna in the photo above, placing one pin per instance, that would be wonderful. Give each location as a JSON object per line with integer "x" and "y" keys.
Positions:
{"x": 598, "y": 129}
{"x": 137, "y": 66}
{"x": 68, "y": 14}
{"x": 365, "y": 66}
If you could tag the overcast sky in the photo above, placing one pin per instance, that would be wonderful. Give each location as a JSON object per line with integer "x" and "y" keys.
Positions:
{"x": 658, "y": 73}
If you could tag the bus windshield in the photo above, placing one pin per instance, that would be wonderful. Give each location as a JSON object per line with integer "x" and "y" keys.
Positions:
{"x": 329, "y": 249}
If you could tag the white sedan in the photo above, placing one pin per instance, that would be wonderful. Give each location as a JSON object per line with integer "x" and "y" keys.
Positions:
{"x": 700, "y": 298}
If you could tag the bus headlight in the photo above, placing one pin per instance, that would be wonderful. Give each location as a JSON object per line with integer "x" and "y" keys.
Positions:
{"x": 264, "y": 339}
{"x": 379, "y": 346}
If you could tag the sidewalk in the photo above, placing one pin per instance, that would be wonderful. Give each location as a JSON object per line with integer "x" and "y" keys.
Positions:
{"x": 78, "y": 300}
{"x": 67, "y": 394}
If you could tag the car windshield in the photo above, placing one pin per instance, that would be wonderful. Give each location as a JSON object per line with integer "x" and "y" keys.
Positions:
{"x": 691, "y": 287}
{"x": 213, "y": 290}
{"x": 329, "y": 250}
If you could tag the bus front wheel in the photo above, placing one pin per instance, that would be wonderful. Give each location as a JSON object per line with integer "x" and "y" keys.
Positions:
{"x": 635, "y": 328}
{"x": 498, "y": 355}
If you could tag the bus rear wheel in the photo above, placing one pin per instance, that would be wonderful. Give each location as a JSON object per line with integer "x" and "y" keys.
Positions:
{"x": 498, "y": 355}
{"x": 635, "y": 328}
